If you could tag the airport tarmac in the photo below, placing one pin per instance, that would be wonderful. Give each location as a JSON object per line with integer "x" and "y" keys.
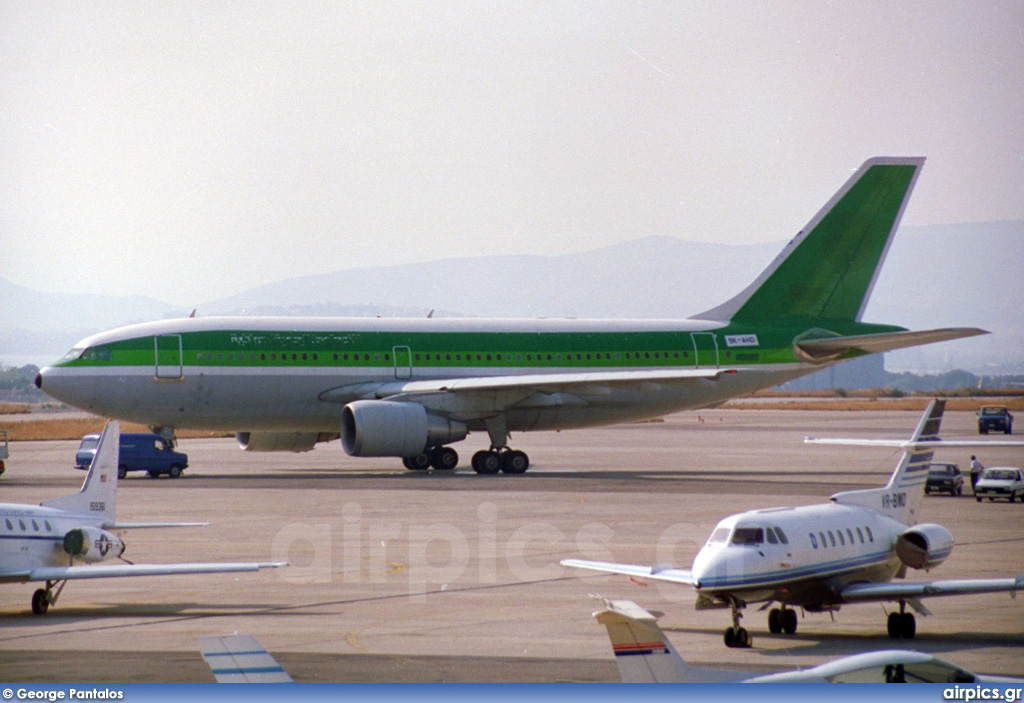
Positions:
{"x": 400, "y": 576}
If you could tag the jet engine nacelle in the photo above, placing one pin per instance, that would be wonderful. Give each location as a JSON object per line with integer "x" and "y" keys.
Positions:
{"x": 281, "y": 441}
{"x": 92, "y": 544}
{"x": 388, "y": 428}
{"x": 924, "y": 546}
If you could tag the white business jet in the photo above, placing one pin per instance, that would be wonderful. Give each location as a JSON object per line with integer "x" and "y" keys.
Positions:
{"x": 645, "y": 655}
{"x": 821, "y": 557}
{"x": 49, "y": 542}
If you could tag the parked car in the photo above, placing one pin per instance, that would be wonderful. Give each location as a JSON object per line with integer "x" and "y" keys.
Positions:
{"x": 139, "y": 452}
{"x": 944, "y": 478}
{"x": 995, "y": 417}
{"x": 1000, "y": 482}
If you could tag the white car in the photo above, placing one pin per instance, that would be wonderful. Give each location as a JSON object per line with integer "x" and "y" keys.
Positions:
{"x": 1000, "y": 482}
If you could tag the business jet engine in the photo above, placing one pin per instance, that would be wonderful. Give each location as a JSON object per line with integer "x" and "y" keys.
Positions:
{"x": 92, "y": 544}
{"x": 924, "y": 546}
{"x": 388, "y": 428}
{"x": 281, "y": 441}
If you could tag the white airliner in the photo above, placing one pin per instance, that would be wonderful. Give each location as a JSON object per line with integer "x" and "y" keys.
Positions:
{"x": 49, "y": 542}
{"x": 645, "y": 655}
{"x": 409, "y": 388}
{"x": 821, "y": 557}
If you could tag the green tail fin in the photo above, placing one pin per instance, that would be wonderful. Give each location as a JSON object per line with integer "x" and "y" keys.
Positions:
{"x": 828, "y": 270}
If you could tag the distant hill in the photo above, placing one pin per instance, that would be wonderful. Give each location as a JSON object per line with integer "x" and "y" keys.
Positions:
{"x": 934, "y": 276}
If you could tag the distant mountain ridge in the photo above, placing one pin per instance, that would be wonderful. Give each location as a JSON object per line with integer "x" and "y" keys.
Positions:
{"x": 934, "y": 276}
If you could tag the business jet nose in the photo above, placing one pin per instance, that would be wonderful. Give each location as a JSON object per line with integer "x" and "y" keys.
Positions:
{"x": 720, "y": 567}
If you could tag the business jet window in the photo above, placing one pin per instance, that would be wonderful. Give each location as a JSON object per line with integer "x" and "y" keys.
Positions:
{"x": 782, "y": 535}
{"x": 814, "y": 542}
{"x": 748, "y": 535}
{"x": 871, "y": 538}
{"x": 772, "y": 539}
{"x": 860, "y": 535}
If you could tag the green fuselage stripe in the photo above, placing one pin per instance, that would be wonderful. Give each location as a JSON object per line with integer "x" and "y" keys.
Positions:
{"x": 259, "y": 348}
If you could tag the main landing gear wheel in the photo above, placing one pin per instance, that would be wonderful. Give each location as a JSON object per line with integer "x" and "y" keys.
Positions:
{"x": 782, "y": 620}
{"x": 420, "y": 462}
{"x": 515, "y": 462}
{"x": 486, "y": 462}
{"x": 902, "y": 626}
{"x": 509, "y": 461}
{"x": 40, "y": 604}
{"x": 444, "y": 458}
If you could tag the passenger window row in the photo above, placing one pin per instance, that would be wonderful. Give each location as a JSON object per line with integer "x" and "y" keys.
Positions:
{"x": 828, "y": 538}
{"x": 457, "y": 357}
{"x": 24, "y": 527}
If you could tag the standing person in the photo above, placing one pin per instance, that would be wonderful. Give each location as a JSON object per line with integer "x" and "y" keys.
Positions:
{"x": 976, "y": 469}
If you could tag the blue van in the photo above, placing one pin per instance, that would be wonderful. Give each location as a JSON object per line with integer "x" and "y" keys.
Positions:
{"x": 139, "y": 452}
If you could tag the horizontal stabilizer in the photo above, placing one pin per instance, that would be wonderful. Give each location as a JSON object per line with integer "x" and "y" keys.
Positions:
{"x": 827, "y": 347}
{"x": 241, "y": 659}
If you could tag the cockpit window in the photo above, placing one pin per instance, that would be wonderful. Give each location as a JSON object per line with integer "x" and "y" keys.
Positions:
{"x": 748, "y": 535}
{"x": 73, "y": 354}
{"x": 97, "y": 354}
{"x": 719, "y": 536}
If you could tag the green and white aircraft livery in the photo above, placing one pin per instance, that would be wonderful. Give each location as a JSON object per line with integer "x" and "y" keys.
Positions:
{"x": 409, "y": 388}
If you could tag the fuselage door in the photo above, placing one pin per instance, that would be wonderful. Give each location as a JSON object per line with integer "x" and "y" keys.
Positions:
{"x": 403, "y": 363}
{"x": 168, "y": 355}
{"x": 705, "y": 350}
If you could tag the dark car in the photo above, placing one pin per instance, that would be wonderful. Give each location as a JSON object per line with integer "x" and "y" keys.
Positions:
{"x": 995, "y": 417}
{"x": 139, "y": 452}
{"x": 944, "y": 478}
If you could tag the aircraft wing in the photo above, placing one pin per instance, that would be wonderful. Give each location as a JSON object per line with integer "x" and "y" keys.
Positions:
{"x": 655, "y": 573}
{"x": 503, "y": 392}
{"x": 62, "y": 573}
{"x": 241, "y": 659}
{"x": 871, "y": 343}
{"x": 864, "y": 592}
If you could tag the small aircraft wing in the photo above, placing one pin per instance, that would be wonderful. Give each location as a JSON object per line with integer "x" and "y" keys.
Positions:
{"x": 63, "y": 573}
{"x": 656, "y": 573}
{"x": 888, "y": 341}
{"x": 864, "y": 592}
{"x": 241, "y": 659}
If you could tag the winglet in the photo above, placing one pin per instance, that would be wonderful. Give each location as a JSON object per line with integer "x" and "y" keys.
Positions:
{"x": 98, "y": 495}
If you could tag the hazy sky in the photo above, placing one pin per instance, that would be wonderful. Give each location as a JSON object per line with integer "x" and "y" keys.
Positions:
{"x": 190, "y": 150}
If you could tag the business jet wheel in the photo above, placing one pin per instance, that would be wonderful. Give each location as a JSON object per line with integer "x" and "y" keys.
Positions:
{"x": 40, "y": 604}
{"x": 775, "y": 621}
{"x": 789, "y": 621}
{"x": 515, "y": 462}
{"x": 122, "y": 471}
{"x": 737, "y": 637}
{"x": 486, "y": 462}
{"x": 902, "y": 626}
{"x": 444, "y": 458}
